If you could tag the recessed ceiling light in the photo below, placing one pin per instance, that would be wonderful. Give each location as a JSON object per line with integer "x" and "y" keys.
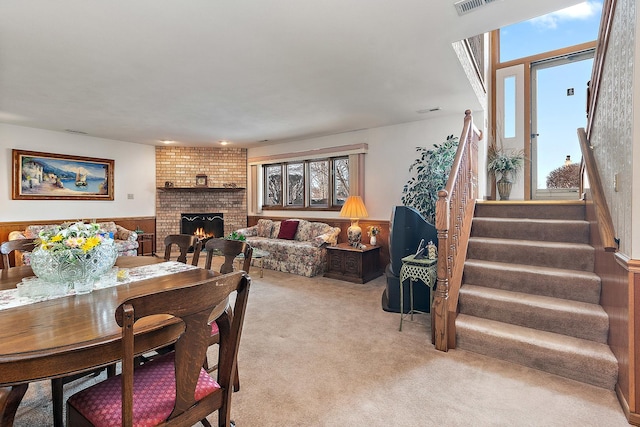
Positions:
{"x": 428, "y": 110}
{"x": 167, "y": 141}
{"x": 79, "y": 132}
{"x": 224, "y": 142}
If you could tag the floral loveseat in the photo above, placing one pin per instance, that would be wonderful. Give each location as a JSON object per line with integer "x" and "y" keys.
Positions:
{"x": 301, "y": 253}
{"x": 126, "y": 241}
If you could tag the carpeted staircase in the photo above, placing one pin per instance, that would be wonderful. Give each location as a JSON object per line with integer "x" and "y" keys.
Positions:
{"x": 529, "y": 294}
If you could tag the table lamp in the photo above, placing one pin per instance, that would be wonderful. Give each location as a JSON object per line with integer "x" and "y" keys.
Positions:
{"x": 354, "y": 209}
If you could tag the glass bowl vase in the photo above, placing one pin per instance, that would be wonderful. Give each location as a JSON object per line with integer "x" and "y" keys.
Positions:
{"x": 74, "y": 269}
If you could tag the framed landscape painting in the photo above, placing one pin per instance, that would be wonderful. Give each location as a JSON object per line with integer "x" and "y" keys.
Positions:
{"x": 46, "y": 176}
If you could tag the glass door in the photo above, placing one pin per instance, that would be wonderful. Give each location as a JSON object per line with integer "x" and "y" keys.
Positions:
{"x": 558, "y": 109}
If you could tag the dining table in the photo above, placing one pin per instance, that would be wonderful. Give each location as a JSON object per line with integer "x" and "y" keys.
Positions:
{"x": 78, "y": 333}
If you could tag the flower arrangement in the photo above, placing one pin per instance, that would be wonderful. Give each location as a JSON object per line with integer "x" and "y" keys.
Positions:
{"x": 78, "y": 237}
{"x": 73, "y": 256}
{"x": 234, "y": 235}
{"x": 373, "y": 231}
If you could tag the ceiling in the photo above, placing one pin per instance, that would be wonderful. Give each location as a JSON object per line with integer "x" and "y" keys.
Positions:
{"x": 246, "y": 71}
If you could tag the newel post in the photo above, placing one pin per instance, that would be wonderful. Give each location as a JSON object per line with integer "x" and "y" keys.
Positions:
{"x": 439, "y": 310}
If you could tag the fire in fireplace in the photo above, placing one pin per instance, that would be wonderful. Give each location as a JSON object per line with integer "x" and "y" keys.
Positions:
{"x": 203, "y": 225}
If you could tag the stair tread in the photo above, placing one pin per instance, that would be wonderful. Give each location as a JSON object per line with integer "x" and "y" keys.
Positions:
{"x": 531, "y": 209}
{"x": 541, "y": 221}
{"x": 535, "y": 301}
{"x": 534, "y": 337}
{"x": 536, "y": 243}
{"x": 537, "y": 269}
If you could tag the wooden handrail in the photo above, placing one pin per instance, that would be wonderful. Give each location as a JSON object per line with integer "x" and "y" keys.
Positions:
{"x": 454, "y": 212}
{"x": 588, "y": 163}
{"x": 605, "y": 223}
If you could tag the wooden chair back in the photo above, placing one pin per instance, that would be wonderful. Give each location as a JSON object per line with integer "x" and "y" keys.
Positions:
{"x": 23, "y": 245}
{"x": 184, "y": 242}
{"x": 193, "y": 305}
{"x": 230, "y": 249}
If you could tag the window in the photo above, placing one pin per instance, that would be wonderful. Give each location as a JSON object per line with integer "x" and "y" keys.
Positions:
{"x": 341, "y": 180}
{"x": 319, "y": 183}
{"x": 567, "y": 27}
{"x": 316, "y": 183}
{"x": 295, "y": 184}
{"x": 509, "y": 118}
{"x": 273, "y": 185}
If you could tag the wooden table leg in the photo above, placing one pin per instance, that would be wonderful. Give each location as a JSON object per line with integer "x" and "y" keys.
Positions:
{"x": 10, "y": 398}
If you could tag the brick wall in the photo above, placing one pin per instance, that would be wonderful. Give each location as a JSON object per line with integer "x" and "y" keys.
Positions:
{"x": 180, "y": 165}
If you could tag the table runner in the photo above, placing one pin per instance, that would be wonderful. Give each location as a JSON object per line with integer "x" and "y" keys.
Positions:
{"x": 9, "y": 298}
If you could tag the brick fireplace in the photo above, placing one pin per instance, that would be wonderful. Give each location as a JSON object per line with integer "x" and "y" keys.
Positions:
{"x": 225, "y": 190}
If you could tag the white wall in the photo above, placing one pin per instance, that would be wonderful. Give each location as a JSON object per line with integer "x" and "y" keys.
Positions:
{"x": 392, "y": 149}
{"x": 134, "y": 173}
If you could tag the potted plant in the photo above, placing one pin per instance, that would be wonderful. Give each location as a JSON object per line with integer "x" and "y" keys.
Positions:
{"x": 431, "y": 170}
{"x": 234, "y": 235}
{"x": 505, "y": 165}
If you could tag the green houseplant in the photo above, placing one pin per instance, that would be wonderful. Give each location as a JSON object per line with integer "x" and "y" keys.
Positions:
{"x": 234, "y": 235}
{"x": 431, "y": 170}
{"x": 504, "y": 165}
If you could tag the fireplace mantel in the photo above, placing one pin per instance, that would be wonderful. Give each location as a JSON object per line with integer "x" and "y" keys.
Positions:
{"x": 201, "y": 188}
{"x": 225, "y": 191}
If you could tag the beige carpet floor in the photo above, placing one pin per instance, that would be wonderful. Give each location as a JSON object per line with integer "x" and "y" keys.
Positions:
{"x": 322, "y": 352}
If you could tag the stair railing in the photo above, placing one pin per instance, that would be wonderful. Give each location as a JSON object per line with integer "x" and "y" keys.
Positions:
{"x": 588, "y": 164}
{"x": 454, "y": 213}
{"x": 604, "y": 221}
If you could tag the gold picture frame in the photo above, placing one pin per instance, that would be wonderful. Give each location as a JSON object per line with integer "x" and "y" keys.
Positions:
{"x": 48, "y": 176}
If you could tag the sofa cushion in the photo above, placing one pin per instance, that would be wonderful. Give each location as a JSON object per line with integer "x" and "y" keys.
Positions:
{"x": 288, "y": 229}
{"x": 275, "y": 230}
{"x": 108, "y": 227}
{"x": 329, "y": 238}
{"x": 33, "y": 231}
{"x": 264, "y": 227}
{"x": 310, "y": 230}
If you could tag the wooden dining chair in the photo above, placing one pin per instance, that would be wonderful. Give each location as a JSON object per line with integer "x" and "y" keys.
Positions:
{"x": 173, "y": 389}
{"x": 184, "y": 242}
{"x": 57, "y": 384}
{"x": 230, "y": 249}
{"x": 21, "y": 245}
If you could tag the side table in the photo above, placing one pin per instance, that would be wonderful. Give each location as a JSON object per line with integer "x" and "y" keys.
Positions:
{"x": 358, "y": 265}
{"x": 423, "y": 269}
{"x": 146, "y": 244}
{"x": 258, "y": 255}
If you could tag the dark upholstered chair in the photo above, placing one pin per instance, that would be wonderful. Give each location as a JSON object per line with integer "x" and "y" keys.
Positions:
{"x": 183, "y": 242}
{"x": 57, "y": 384}
{"x": 230, "y": 249}
{"x": 116, "y": 401}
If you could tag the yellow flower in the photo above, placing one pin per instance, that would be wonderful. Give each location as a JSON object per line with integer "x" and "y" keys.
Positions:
{"x": 56, "y": 238}
{"x": 90, "y": 243}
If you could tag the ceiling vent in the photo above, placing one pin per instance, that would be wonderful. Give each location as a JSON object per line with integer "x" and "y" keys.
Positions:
{"x": 465, "y": 6}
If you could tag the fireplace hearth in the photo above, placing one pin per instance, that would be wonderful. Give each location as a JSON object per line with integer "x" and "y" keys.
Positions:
{"x": 203, "y": 225}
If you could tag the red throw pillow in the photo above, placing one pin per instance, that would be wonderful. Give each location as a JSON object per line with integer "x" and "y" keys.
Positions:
{"x": 288, "y": 230}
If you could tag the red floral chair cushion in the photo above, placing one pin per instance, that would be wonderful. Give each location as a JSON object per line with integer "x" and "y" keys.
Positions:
{"x": 154, "y": 395}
